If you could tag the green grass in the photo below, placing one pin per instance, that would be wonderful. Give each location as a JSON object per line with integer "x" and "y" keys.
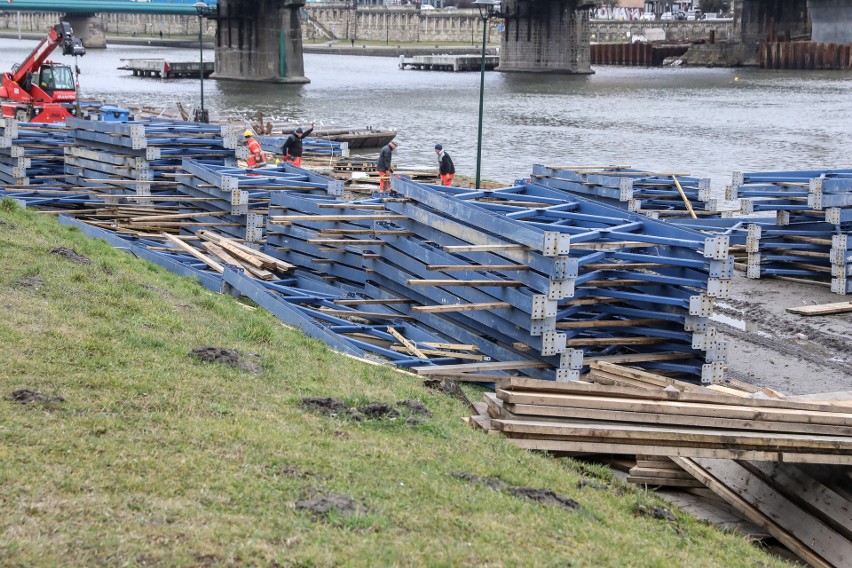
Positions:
{"x": 157, "y": 458}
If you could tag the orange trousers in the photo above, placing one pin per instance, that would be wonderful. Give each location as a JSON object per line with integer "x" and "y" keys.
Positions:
{"x": 296, "y": 161}
{"x": 447, "y": 179}
{"x": 384, "y": 180}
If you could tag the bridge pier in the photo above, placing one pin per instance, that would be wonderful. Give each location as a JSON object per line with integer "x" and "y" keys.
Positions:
{"x": 831, "y": 21}
{"x": 550, "y": 36}
{"x": 260, "y": 40}
{"x": 89, "y": 28}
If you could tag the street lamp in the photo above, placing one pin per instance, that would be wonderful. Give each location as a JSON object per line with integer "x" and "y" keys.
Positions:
{"x": 486, "y": 10}
{"x": 203, "y": 10}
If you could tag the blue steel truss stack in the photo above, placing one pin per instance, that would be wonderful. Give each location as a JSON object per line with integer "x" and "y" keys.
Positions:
{"x": 809, "y": 239}
{"x": 141, "y": 158}
{"x": 655, "y": 195}
{"x": 529, "y": 274}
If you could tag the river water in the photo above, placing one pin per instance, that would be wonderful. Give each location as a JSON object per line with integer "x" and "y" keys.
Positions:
{"x": 708, "y": 122}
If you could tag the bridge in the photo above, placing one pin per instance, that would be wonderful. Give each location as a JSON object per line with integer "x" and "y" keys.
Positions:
{"x": 256, "y": 39}
{"x": 261, "y": 40}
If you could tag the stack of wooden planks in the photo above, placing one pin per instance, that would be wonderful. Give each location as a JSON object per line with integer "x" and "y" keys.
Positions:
{"x": 785, "y": 465}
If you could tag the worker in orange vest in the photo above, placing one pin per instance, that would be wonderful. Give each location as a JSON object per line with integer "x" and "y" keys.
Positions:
{"x": 256, "y": 157}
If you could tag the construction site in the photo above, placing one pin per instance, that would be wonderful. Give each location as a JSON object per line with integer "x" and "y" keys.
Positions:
{"x": 213, "y": 356}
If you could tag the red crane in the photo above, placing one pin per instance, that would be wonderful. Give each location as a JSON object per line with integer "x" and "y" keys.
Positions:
{"x": 39, "y": 90}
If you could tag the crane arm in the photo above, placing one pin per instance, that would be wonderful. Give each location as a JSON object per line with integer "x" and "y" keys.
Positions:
{"x": 60, "y": 34}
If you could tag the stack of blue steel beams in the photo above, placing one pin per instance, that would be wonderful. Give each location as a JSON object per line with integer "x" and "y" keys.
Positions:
{"x": 235, "y": 200}
{"x": 30, "y": 154}
{"x": 527, "y": 273}
{"x": 812, "y": 224}
{"x": 142, "y": 157}
{"x": 655, "y": 195}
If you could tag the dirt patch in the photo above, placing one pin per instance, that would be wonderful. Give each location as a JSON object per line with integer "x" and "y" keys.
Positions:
{"x": 29, "y": 282}
{"x": 378, "y": 411}
{"x": 545, "y": 496}
{"x": 325, "y": 405}
{"x": 583, "y": 483}
{"x": 322, "y": 505}
{"x": 225, "y": 356}
{"x": 296, "y": 472}
{"x": 71, "y": 255}
{"x": 448, "y": 386}
{"x": 27, "y": 396}
{"x": 656, "y": 512}
{"x": 371, "y": 411}
{"x": 415, "y": 408}
{"x": 495, "y": 484}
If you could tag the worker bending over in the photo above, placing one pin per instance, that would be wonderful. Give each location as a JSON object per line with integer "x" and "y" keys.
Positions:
{"x": 385, "y": 165}
{"x": 256, "y": 157}
{"x": 445, "y": 166}
{"x": 292, "y": 148}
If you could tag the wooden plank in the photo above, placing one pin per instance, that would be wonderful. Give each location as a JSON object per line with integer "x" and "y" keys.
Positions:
{"x": 452, "y": 282}
{"x": 476, "y": 267}
{"x": 802, "y": 533}
{"x": 408, "y": 344}
{"x": 194, "y": 252}
{"x": 639, "y": 357}
{"x": 364, "y": 315}
{"x": 439, "y": 353}
{"x": 598, "y": 447}
{"x": 484, "y": 248}
{"x": 380, "y": 302}
{"x": 575, "y": 387}
{"x": 710, "y": 420}
{"x": 286, "y": 219}
{"x": 474, "y": 367}
{"x": 822, "y": 309}
{"x": 448, "y": 308}
{"x": 683, "y": 196}
{"x": 803, "y": 418}
{"x": 807, "y": 492}
{"x": 451, "y": 346}
{"x": 680, "y": 437}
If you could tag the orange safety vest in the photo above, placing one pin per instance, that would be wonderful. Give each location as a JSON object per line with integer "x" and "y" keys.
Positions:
{"x": 255, "y": 153}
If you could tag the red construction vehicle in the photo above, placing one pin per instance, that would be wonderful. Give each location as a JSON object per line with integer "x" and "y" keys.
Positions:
{"x": 38, "y": 90}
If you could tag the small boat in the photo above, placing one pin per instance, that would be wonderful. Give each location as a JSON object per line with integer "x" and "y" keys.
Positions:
{"x": 357, "y": 138}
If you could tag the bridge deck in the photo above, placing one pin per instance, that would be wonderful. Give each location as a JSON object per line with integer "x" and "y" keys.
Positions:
{"x": 179, "y": 7}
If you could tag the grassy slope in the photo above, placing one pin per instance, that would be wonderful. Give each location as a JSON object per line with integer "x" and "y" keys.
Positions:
{"x": 155, "y": 457}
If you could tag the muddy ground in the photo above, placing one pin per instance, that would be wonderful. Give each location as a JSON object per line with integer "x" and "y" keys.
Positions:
{"x": 770, "y": 347}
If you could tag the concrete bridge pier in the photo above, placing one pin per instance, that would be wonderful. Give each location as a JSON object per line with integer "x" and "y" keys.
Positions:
{"x": 260, "y": 40}
{"x": 89, "y": 28}
{"x": 546, "y": 36}
{"x": 831, "y": 21}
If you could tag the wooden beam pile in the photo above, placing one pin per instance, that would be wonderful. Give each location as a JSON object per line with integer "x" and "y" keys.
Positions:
{"x": 784, "y": 465}
{"x": 657, "y": 195}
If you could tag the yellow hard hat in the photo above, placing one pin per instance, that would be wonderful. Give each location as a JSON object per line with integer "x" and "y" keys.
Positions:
{"x": 248, "y": 133}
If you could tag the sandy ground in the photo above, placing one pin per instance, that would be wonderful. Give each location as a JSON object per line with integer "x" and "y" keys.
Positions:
{"x": 770, "y": 347}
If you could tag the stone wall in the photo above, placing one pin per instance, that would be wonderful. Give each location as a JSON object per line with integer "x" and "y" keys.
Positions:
{"x": 128, "y": 24}
{"x": 677, "y": 31}
{"x": 378, "y": 23}
{"x": 407, "y": 24}
{"x": 396, "y": 24}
